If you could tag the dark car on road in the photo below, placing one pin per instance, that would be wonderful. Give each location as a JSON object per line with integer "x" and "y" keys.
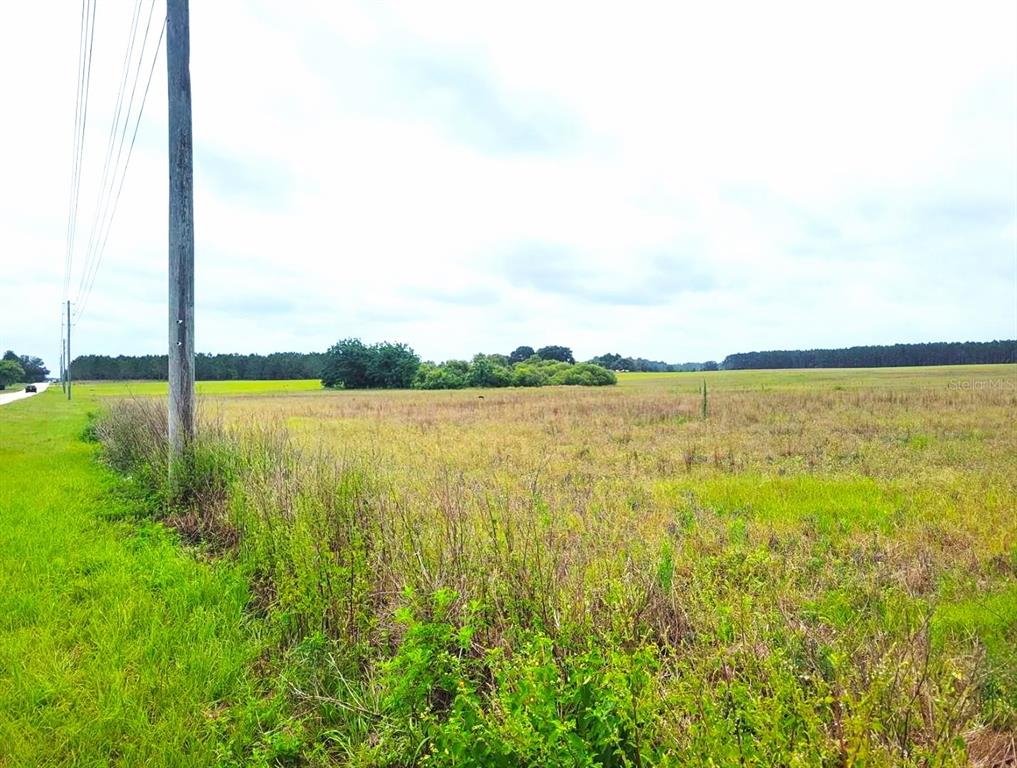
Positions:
{"x": 30, "y": 388}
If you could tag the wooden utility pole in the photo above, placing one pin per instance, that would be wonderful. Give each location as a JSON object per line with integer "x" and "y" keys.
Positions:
{"x": 181, "y": 231}
{"x": 62, "y": 385}
{"x": 67, "y": 357}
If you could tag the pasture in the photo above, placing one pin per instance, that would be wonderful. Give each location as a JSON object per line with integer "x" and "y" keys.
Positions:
{"x": 822, "y": 570}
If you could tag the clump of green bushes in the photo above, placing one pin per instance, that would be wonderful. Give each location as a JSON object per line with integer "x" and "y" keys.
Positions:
{"x": 496, "y": 371}
{"x": 351, "y": 364}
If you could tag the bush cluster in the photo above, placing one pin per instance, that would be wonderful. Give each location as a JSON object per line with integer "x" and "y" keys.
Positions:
{"x": 351, "y": 364}
{"x": 496, "y": 371}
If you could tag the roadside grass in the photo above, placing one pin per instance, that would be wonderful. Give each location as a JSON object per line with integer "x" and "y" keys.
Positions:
{"x": 117, "y": 647}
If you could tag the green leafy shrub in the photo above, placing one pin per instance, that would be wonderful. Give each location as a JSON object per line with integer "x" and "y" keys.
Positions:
{"x": 586, "y": 375}
{"x": 489, "y": 371}
{"x": 529, "y": 375}
{"x": 450, "y": 375}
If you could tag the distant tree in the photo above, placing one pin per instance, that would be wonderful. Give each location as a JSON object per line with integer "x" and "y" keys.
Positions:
{"x": 10, "y": 373}
{"x": 346, "y": 365}
{"x": 352, "y": 364}
{"x": 611, "y": 360}
{"x": 616, "y": 362}
{"x": 562, "y": 354}
{"x": 35, "y": 369}
{"x": 392, "y": 366}
{"x": 711, "y": 365}
{"x": 496, "y": 359}
{"x": 521, "y": 354}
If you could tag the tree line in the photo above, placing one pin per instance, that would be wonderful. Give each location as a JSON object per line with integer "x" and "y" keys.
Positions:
{"x": 616, "y": 362}
{"x": 879, "y": 356}
{"x": 396, "y": 365}
{"x": 207, "y": 367}
{"x": 351, "y": 364}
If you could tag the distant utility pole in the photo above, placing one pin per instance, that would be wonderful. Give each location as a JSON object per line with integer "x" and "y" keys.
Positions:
{"x": 181, "y": 231}
{"x": 67, "y": 356}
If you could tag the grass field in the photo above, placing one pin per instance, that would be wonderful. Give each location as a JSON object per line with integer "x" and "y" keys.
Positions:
{"x": 822, "y": 571}
{"x": 89, "y": 390}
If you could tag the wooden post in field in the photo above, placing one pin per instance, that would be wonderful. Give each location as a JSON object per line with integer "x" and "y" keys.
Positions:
{"x": 181, "y": 231}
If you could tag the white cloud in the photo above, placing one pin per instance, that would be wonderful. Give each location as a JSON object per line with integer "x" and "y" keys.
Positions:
{"x": 677, "y": 181}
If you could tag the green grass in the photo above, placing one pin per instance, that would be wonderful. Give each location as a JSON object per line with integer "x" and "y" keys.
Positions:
{"x": 117, "y": 647}
{"x": 784, "y": 504}
{"x": 93, "y": 389}
{"x": 970, "y": 377}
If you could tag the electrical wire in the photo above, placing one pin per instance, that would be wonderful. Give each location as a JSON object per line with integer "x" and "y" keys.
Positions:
{"x": 86, "y": 39}
{"x": 106, "y": 213}
{"x": 113, "y": 128}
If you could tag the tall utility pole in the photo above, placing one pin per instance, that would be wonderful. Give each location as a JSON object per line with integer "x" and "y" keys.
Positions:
{"x": 63, "y": 386}
{"x": 67, "y": 356}
{"x": 181, "y": 231}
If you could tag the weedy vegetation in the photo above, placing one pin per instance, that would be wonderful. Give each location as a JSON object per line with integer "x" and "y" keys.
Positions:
{"x": 813, "y": 568}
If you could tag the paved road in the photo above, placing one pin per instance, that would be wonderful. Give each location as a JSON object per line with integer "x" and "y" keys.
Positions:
{"x": 10, "y": 397}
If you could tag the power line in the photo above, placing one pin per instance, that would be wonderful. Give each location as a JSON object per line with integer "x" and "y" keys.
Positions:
{"x": 75, "y": 154}
{"x": 114, "y": 125}
{"x": 106, "y": 221}
{"x": 85, "y": 44}
{"x": 86, "y": 40}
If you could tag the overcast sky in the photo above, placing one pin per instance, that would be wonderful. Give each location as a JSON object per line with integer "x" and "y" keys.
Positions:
{"x": 677, "y": 181}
